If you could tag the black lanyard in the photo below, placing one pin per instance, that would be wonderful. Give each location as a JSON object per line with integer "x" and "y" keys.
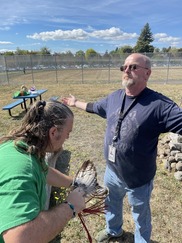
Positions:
{"x": 122, "y": 114}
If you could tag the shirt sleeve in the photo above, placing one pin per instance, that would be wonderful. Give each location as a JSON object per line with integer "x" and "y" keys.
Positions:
{"x": 174, "y": 119}
{"x": 89, "y": 107}
{"x": 98, "y": 107}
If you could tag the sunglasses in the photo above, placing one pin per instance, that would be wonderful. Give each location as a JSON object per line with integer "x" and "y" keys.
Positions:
{"x": 131, "y": 67}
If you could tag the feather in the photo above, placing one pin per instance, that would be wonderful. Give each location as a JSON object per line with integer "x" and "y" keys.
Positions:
{"x": 86, "y": 179}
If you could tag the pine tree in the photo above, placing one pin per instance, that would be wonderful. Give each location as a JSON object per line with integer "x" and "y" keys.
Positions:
{"x": 144, "y": 40}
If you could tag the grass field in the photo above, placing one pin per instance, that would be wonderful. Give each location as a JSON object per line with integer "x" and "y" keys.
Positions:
{"x": 88, "y": 75}
{"x": 86, "y": 142}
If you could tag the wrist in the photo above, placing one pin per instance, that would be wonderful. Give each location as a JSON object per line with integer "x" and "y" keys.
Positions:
{"x": 75, "y": 102}
{"x": 71, "y": 184}
{"x": 72, "y": 208}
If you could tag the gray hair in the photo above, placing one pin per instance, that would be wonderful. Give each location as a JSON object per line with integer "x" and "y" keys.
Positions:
{"x": 147, "y": 62}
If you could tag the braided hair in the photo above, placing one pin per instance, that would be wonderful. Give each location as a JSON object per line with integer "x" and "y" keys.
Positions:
{"x": 34, "y": 130}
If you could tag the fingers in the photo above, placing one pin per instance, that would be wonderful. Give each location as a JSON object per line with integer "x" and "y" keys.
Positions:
{"x": 65, "y": 101}
{"x": 70, "y": 101}
{"x": 76, "y": 198}
{"x": 80, "y": 190}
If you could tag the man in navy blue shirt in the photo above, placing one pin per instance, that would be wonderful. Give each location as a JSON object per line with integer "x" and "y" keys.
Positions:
{"x": 136, "y": 116}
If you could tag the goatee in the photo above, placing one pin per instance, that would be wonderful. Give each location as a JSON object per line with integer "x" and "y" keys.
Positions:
{"x": 127, "y": 83}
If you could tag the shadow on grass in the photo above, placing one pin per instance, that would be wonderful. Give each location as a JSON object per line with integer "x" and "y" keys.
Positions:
{"x": 127, "y": 237}
{"x": 63, "y": 165}
{"x": 19, "y": 116}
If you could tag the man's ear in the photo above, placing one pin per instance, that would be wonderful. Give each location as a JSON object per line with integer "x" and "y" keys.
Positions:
{"x": 148, "y": 72}
{"x": 52, "y": 132}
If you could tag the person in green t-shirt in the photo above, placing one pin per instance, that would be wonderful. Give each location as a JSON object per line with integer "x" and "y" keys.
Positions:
{"x": 24, "y": 174}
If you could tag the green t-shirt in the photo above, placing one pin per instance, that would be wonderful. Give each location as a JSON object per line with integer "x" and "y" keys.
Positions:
{"x": 22, "y": 187}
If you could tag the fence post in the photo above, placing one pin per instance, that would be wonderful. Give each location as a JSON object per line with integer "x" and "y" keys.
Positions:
{"x": 7, "y": 76}
{"x": 56, "y": 69}
{"x": 109, "y": 70}
{"x": 82, "y": 70}
{"x": 168, "y": 63}
{"x": 31, "y": 68}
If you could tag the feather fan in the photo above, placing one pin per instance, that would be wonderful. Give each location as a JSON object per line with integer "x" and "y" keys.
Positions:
{"x": 86, "y": 179}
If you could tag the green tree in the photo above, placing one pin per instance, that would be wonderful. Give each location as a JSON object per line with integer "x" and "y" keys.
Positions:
{"x": 8, "y": 53}
{"x": 92, "y": 57}
{"x": 90, "y": 53}
{"x": 115, "y": 53}
{"x": 156, "y": 50}
{"x": 21, "y": 52}
{"x": 69, "y": 54}
{"x": 45, "y": 51}
{"x": 173, "y": 50}
{"x": 80, "y": 53}
{"x": 144, "y": 40}
{"x": 80, "y": 57}
{"x": 106, "y": 55}
{"x": 125, "y": 49}
{"x": 164, "y": 49}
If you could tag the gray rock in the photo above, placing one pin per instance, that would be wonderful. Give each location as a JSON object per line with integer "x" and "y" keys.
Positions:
{"x": 173, "y": 137}
{"x": 175, "y": 146}
{"x": 179, "y": 166}
{"x": 174, "y": 152}
{"x": 178, "y": 175}
{"x": 179, "y": 140}
{"x": 171, "y": 159}
{"x": 178, "y": 157}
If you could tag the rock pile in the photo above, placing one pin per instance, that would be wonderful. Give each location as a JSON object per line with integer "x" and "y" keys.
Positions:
{"x": 170, "y": 153}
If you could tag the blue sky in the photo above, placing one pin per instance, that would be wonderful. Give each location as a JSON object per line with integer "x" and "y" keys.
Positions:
{"x": 72, "y": 25}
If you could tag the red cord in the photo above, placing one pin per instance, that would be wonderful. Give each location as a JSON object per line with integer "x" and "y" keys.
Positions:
{"x": 97, "y": 208}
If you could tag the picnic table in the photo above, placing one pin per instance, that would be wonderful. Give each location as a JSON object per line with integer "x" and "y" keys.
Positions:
{"x": 32, "y": 96}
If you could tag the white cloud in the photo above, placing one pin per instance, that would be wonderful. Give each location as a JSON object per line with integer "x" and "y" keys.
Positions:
{"x": 160, "y": 35}
{"x": 75, "y": 34}
{"x": 5, "y": 43}
{"x": 164, "y": 38}
{"x": 6, "y": 50}
{"x": 169, "y": 39}
{"x": 113, "y": 33}
{"x": 6, "y": 28}
{"x": 79, "y": 34}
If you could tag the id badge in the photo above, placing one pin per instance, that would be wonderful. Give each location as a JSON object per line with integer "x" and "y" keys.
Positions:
{"x": 112, "y": 153}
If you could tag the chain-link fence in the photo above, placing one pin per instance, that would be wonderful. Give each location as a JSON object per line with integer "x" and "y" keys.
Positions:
{"x": 166, "y": 68}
